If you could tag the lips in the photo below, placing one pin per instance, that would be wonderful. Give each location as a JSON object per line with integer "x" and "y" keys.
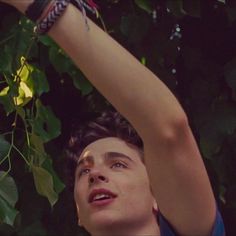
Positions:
{"x": 95, "y": 192}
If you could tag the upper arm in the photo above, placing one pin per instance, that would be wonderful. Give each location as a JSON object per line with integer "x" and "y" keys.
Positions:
{"x": 167, "y": 230}
{"x": 180, "y": 182}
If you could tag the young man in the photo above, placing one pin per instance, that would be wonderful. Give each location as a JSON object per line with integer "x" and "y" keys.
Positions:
{"x": 110, "y": 169}
{"x": 111, "y": 187}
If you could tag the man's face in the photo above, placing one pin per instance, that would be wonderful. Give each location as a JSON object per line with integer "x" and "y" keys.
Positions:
{"x": 111, "y": 164}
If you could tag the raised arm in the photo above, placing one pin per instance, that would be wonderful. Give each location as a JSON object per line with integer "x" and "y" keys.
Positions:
{"x": 178, "y": 177}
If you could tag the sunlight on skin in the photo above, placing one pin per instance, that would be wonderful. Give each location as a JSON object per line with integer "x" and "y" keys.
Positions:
{"x": 132, "y": 211}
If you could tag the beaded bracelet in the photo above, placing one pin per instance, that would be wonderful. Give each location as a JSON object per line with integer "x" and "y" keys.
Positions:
{"x": 56, "y": 11}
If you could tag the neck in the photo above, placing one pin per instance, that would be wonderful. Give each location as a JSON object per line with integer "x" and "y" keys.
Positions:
{"x": 149, "y": 227}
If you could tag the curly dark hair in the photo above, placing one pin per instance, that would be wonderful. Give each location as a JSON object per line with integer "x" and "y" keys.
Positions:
{"x": 108, "y": 124}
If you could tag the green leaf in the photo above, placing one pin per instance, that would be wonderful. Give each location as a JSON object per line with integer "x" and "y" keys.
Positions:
{"x": 80, "y": 82}
{"x": 37, "y": 142}
{"x": 211, "y": 140}
{"x": 47, "y": 41}
{"x": 46, "y": 125}
{"x": 4, "y": 147}
{"x": 18, "y": 90}
{"x": 22, "y": 42}
{"x": 225, "y": 115}
{"x": 13, "y": 88}
{"x": 221, "y": 123}
{"x": 11, "y": 98}
{"x": 192, "y": 7}
{"x": 8, "y": 190}
{"x": 34, "y": 78}
{"x": 38, "y": 82}
{"x": 134, "y": 27}
{"x": 24, "y": 70}
{"x": 144, "y": 61}
{"x": 21, "y": 112}
{"x": 44, "y": 184}
{"x": 176, "y": 7}
{"x": 38, "y": 152}
{"x": 59, "y": 60}
{"x": 6, "y": 60}
{"x": 8, "y": 199}
{"x": 7, "y": 212}
{"x": 231, "y": 13}
{"x": 27, "y": 25}
{"x": 58, "y": 185}
{"x": 145, "y": 5}
{"x": 7, "y": 103}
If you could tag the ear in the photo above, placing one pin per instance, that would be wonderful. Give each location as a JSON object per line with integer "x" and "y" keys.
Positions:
{"x": 79, "y": 221}
{"x": 154, "y": 206}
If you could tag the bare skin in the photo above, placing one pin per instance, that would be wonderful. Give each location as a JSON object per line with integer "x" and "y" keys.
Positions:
{"x": 185, "y": 196}
{"x": 133, "y": 211}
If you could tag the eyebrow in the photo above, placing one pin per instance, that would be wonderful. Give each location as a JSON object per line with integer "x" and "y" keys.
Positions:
{"x": 107, "y": 156}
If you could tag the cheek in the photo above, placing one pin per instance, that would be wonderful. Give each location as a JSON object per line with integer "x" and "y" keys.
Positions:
{"x": 139, "y": 188}
{"x": 137, "y": 198}
{"x": 135, "y": 186}
{"x": 79, "y": 193}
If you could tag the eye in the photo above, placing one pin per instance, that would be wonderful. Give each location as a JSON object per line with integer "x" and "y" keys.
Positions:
{"x": 84, "y": 171}
{"x": 119, "y": 165}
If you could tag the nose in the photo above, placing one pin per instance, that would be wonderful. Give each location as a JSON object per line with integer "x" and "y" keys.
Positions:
{"x": 96, "y": 177}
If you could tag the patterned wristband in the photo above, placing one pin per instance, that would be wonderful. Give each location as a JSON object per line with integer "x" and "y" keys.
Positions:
{"x": 46, "y": 24}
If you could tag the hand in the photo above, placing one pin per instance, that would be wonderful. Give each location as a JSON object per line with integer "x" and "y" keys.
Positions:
{"x": 21, "y": 5}
{"x": 9, "y": 2}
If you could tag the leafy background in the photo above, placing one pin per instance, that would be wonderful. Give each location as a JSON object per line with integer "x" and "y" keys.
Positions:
{"x": 189, "y": 44}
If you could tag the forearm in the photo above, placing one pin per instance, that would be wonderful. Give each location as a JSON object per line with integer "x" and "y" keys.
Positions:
{"x": 131, "y": 88}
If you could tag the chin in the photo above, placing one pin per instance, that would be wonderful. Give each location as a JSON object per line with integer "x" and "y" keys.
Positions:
{"x": 106, "y": 219}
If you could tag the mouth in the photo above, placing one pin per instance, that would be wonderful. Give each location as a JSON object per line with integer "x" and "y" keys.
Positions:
{"x": 101, "y": 196}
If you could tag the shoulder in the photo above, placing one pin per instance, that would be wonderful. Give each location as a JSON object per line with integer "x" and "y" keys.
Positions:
{"x": 167, "y": 230}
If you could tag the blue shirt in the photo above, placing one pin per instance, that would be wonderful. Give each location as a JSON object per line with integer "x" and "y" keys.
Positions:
{"x": 167, "y": 230}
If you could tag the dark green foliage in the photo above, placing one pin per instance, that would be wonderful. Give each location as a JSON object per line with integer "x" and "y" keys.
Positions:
{"x": 189, "y": 44}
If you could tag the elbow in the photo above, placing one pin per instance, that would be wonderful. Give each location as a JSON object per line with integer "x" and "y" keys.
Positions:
{"x": 175, "y": 129}
{"x": 180, "y": 123}
{"x": 166, "y": 131}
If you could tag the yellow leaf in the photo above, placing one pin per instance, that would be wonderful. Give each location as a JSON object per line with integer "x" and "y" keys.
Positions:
{"x": 24, "y": 70}
{"x": 25, "y": 95}
{"x": 4, "y": 91}
{"x": 26, "y": 89}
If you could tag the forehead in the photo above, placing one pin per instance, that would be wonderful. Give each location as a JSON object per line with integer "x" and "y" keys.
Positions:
{"x": 110, "y": 144}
